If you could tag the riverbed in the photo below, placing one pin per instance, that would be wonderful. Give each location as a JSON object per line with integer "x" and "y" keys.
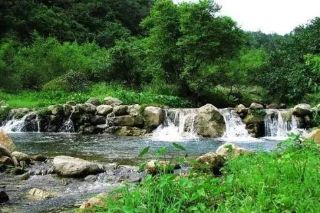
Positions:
{"x": 105, "y": 149}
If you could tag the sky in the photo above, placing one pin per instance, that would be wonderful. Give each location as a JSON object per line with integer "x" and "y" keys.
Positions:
{"x": 269, "y": 16}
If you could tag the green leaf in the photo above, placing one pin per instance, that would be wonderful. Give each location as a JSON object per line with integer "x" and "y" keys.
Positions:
{"x": 178, "y": 146}
{"x": 144, "y": 151}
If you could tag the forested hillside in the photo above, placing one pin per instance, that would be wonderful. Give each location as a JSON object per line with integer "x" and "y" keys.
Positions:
{"x": 186, "y": 53}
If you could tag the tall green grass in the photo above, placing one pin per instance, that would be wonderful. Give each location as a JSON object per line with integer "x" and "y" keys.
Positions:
{"x": 286, "y": 180}
{"x": 36, "y": 99}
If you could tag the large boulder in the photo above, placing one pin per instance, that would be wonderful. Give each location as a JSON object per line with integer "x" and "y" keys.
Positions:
{"x": 154, "y": 116}
{"x": 255, "y": 124}
{"x": 104, "y": 109}
{"x": 126, "y": 120}
{"x": 18, "y": 113}
{"x": 6, "y": 142}
{"x": 134, "y": 110}
{"x": 88, "y": 108}
{"x": 209, "y": 122}
{"x": 112, "y": 101}
{"x": 230, "y": 149}
{"x": 211, "y": 161}
{"x": 120, "y": 110}
{"x": 302, "y": 110}
{"x": 75, "y": 167}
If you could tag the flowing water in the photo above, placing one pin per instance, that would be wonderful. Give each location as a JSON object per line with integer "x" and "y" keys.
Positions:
{"x": 177, "y": 126}
{"x": 235, "y": 128}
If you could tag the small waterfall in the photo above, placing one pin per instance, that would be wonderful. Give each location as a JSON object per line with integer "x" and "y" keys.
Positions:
{"x": 68, "y": 125}
{"x": 38, "y": 123}
{"x": 280, "y": 123}
{"x": 177, "y": 126}
{"x": 235, "y": 128}
{"x": 15, "y": 124}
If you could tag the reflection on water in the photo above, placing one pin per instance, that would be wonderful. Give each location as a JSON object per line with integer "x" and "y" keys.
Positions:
{"x": 109, "y": 148}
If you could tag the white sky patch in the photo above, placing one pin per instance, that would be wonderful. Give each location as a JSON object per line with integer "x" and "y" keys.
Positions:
{"x": 269, "y": 16}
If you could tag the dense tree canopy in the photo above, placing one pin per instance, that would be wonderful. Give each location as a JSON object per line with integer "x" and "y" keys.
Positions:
{"x": 185, "y": 49}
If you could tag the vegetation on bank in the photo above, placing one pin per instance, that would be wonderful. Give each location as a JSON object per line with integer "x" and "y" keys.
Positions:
{"x": 39, "y": 99}
{"x": 285, "y": 180}
{"x": 185, "y": 50}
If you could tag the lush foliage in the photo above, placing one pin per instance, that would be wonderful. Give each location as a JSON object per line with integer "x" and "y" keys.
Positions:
{"x": 187, "y": 50}
{"x": 280, "y": 181}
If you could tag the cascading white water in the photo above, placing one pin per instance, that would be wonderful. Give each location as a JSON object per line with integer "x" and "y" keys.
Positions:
{"x": 280, "y": 123}
{"x": 178, "y": 127}
{"x": 68, "y": 125}
{"x": 15, "y": 125}
{"x": 38, "y": 123}
{"x": 235, "y": 128}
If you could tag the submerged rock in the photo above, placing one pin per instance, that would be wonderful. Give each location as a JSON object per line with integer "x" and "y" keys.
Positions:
{"x": 21, "y": 156}
{"x": 209, "y": 122}
{"x": 75, "y": 167}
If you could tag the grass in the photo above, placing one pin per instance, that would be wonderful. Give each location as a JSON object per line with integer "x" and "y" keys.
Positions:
{"x": 38, "y": 99}
{"x": 286, "y": 180}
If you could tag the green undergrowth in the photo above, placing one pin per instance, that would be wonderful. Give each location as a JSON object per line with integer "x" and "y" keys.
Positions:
{"x": 285, "y": 180}
{"x": 36, "y": 99}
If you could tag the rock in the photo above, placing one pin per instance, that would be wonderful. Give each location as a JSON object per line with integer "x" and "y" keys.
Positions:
{"x": 3, "y": 197}
{"x": 211, "y": 161}
{"x": 255, "y": 125}
{"x": 24, "y": 176}
{"x": 209, "y": 122}
{"x": 273, "y": 106}
{"x": 241, "y": 110}
{"x": 97, "y": 120}
{"x": 134, "y": 110}
{"x": 94, "y": 101}
{"x": 6, "y": 142}
{"x": 95, "y": 201}
{"x": 18, "y": 113}
{"x": 5, "y": 160}
{"x": 154, "y": 167}
{"x": 314, "y": 135}
{"x": 120, "y": 110}
{"x": 39, "y": 194}
{"x": 75, "y": 167}
{"x": 126, "y": 131}
{"x": 17, "y": 171}
{"x": 72, "y": 103}
{"x": 126, "y": 120}
{"x": 91, "y": 178}
{"x": 21, "y": 156}
{"x": 256, "y": 106}
{"x": 56, "y": 109}
{"x": 112, "y": 101}
{"x": 230, "y": 149}
{"x": 104, "y": 109}
{"x": 4, "y": 152}
{"x": 154, "y": 116}
{"x": 89, "y": 108}
{"x": 39, "y": 158}
{"x": 302, "y": 110}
